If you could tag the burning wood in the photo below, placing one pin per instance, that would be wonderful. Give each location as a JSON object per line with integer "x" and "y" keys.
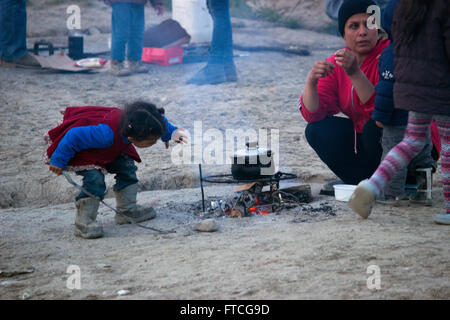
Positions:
{"x": 260, "y": 198}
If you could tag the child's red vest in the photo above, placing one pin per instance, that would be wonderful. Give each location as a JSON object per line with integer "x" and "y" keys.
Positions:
{"x": 92, "y": 116}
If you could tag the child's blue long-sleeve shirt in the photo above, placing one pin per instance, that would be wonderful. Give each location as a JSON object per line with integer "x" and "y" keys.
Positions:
{"x": 91, "y": 137}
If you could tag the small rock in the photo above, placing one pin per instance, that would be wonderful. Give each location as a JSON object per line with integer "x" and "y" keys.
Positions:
{"x": 208, "y": 225}
{"x": 123, "y": 292}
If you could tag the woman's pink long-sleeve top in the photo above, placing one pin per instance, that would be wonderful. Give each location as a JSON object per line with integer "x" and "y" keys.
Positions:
{"x": 336, "y": 92}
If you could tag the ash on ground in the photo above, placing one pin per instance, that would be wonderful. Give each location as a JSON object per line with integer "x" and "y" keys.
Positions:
{"x": 214, "y": 207}
{"x": 217, "y": 207}
{"x": 313, "y": 213}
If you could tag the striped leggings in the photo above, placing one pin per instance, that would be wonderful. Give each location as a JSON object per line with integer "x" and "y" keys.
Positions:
{"x": 413, "y": 142}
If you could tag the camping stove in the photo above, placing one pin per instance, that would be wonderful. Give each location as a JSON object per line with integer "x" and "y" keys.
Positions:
{"x": 259, "y": 196}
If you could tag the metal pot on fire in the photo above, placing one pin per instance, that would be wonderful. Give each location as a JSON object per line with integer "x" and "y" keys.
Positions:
{"x": 252, "y": 163}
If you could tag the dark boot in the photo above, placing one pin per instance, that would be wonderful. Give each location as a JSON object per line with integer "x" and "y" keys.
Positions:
{"x": 230, "y": 71}
{"x": 213, "y": 73}
{"x": 85, "y": 224}
{"x": 126, "y": 204}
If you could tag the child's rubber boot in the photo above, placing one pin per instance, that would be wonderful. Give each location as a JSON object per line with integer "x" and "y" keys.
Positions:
{"x": 85, "y": 224}
{"x": 442, "y": 218}
{"x": 126, "y": 204}
{"x": 362, "y": 199}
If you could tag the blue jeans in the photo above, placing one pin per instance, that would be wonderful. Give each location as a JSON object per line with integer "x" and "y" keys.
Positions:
{"x": 94, "y": 180}
{"x": 13, "y": 29}
{"x": 128, "y": 26}
{"x": 221, "y": 50}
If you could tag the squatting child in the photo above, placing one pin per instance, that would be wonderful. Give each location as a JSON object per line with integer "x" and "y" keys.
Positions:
{"x": 95, "y": 140}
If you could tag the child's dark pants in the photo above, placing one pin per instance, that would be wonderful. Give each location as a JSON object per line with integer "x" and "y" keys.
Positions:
{"x": 94, "y": 180}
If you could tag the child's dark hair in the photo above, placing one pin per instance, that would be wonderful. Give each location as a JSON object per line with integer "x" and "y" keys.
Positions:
{"x": 413, "y": 14}
{"x": 141, "y": 120}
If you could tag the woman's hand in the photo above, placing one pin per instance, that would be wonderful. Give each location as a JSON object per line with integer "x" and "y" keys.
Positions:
{"x": 55, "y": 169}
{"x": 310, "y": 96}
{"x": 347, "y": 60}
{"x": 319, "y": 70}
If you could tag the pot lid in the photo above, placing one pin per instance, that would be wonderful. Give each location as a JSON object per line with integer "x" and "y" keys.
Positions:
{"x": 252, "y": 150}
{"x": 252, "y": 153}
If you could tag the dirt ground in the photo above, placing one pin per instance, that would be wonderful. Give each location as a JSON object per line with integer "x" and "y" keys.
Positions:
{"x": 295, "y": 254}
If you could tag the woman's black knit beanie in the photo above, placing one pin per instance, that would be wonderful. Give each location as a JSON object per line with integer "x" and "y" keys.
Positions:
{"x": 349, "y": 8}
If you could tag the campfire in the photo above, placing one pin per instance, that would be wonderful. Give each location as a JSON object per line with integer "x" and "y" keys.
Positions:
{"x": 260, "y": 197}
{"x": 260, "y": 190}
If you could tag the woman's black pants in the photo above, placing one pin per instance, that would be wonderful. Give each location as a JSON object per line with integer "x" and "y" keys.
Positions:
{"x": 333, "y": 139}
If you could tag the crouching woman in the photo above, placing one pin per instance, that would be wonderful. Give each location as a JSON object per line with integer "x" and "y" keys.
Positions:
{"x": 345, "y": 83}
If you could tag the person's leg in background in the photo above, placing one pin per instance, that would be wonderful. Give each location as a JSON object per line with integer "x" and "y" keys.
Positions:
{"x": 120, "y": 31}
{"x": 222, "y": 39}
{"x": 443, "y": 124}
{"x": 424, "y": 160}
{"x": 220, "y": 66}
{"x": 399, "y": 157}
{"x": 136, "y": 38}
{"x": 13, "y": 34}
{"x": 393, "y": 135}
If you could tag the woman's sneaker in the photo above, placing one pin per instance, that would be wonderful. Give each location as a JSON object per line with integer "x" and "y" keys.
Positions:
{"x": 362, "y": 199}
{"x": 137, "y": 67}
{"x": 442, "y": 218}
{"x": 328, "y": 188}
{"x": 118, "y": 69}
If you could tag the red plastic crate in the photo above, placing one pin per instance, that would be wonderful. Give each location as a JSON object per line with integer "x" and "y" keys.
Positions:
{"x": 163, "y": 57}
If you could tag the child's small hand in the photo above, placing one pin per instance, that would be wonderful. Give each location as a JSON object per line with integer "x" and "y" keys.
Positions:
{"x": 180, "y": 137}
{"x": 55, "y": 169}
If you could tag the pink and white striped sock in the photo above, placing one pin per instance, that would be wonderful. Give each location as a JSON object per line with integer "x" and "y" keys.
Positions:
{"x": 400, "y": 156}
